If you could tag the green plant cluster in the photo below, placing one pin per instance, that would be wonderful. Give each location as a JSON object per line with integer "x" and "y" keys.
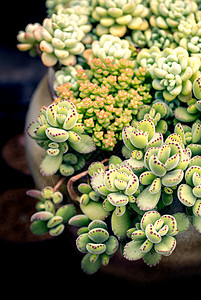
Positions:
{"x": 109, "y": 98}
{"x": 51, "y": 216}
{"x": 128, "y": 80}
{"x": 58, "y": 132}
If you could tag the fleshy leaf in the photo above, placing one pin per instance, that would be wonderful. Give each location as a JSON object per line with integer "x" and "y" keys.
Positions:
{"x": 156, "y": 166}
{"x": 56, "y": 134}
{"x": 171, "y": 222}
{"x": 79, "y": 220}
{"x": 147, "y": 200}
{"x": 166, "y": 246}
{"x": 50, "y": 164}
{"x": 94, "y": 167}
{"x": 183, "y": 222}
{"x": 98, "y": 235}
{"x": 197, "y": 223}
{"x": 94, "y": 210}
{"x": 110, "y": 177}
{"x": 152, "y": 234}
{"x": 197, "y": 208}
{"x": 41, "y": 216}
{"x": 147, "y": 177}
{"x": 95, "y": 248}
{"x": 152, "y": 258}
{"x": 185, "y": 195}
{"x": 86, "y": 145}
{"x": 146, "y": 246}
{"x": 82, "y": 241}
{"x": 120, "y": 224}
{"x": 39, "y": 227}
{"x": 66, "y": 212}
{"x": 173, "y": 178}
{"x": 150, "y": 217}
{"x": 88, "y": 267}
{"x": 111, "y": 245}
{"x": 132, "y": 250}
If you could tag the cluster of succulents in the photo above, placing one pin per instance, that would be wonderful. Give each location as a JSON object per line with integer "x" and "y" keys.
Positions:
{"x": 57, "y": 131}
{"x": 51, "y": 216}
{"x": 106, "y": 104}
{"x": 127, "y": 80}
{"x": 116, "y": 17}
{"x": 96, "y": 242}
{"x": 152, "y": 238}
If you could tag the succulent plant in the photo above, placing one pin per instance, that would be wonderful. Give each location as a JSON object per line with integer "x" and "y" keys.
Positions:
{"x": 98, "y": 245}
{"x": 188, "y": 35}
{"x": 30, "y": 39}
{"x": 61, "y": 40}
{"x": 168, "y": 14}
{"x": 115, "y": 16}
{"x": 146, "y": 57}
{"x": 172, "y": 71}
{"x": 152, "y": 238}
{"x": 189, "y": 192}
{"x": 191, "y": 136}
{"x": 49, "y": 217}
{"x": 53, "y": 5}
{"x": 67, "y": 74}
{"x": 109, "y": 46}
{"x": 56, "y": 130}
{"x": 109, "y": 100}
{"x": 154, "y": 37}
{"x": 158, "y": 112}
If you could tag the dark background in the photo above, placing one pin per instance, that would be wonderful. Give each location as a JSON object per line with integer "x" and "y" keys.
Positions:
{"x": 50, "y": 266}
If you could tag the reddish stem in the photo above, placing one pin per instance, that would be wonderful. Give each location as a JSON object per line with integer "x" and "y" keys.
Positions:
{"x": 59, "y": 183}
{"x": 73, "y": 179}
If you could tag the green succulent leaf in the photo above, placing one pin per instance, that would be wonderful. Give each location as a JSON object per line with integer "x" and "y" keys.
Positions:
{"x": 98, "y": 235}
{"x": 82, "y": 241}
{"x": 183, "y": 222}
{"x": 39, "y": 227}
{"x": 94, "y": 210}
{"x": 50, "y": 164}
{"x": 132, "y": 250}
{"x": 147, "y": 200}
{"x": 173, "y": 178}
{"x": 185, "y": 195}
{"x": 166, "y": 246}
{"x": 90, "y": 267}
{"x": 111, "y": 245}
{"x": 120, "y": 224}
{"x": 66, "y": 212}
{"x": 86, "y": 145}
{"x": 152, "y": 258}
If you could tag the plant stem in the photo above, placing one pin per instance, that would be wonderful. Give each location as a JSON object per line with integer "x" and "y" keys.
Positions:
{"x": 59, "y": 183}
{"x": 73, "y": 179}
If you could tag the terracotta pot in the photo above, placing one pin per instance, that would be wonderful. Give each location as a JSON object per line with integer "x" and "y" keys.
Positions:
{"x": 185, "y": 261}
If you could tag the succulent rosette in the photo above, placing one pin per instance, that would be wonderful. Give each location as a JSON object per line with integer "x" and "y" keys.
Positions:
{"x": 172, "y": 72}
{"x": 153, "y": 37}
{"x": 188, "y": 35}
{"x": 61, "y": 40}
{"x": 109, "y": 46}
{"x": 147, "y": 56}
{"x": 99, "y": 246}
{"x": 55, "y": 130}
{"x": 168, "y": 14}
{"x": 30, "y": 39}
{"x": 152, "y": 238}
{"x": 115, "y": 16}
{"x": 157, "y": 112}
{"x": 189, "y": 193}
{"x": 191, "y": 136}
{"x": 51, "y": 216}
